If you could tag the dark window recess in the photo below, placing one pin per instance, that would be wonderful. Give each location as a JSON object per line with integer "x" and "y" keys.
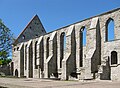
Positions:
{"x": 36, "y": 35}
{"x": 37, "y": 23}
{"x": 23, "y": 37}
{"x": 17, "y": 48}
{"x": 25, "y": 56}
{"x": 36, "y": 67}
{"x": 113, "y": 57}
{"x": 47, "y": 47}
{"x": 42, "y": 30}
{"x": 14, "y": 49}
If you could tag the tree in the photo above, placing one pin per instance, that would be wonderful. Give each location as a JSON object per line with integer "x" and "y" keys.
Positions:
{"x": 6, "y": 39}
{"x": 5, "y": 61}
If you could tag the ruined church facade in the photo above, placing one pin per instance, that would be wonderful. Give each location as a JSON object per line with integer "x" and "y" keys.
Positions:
{"x": 62, "y": 53}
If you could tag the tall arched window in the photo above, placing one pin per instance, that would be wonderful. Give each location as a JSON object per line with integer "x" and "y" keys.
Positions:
{"x": 83, "y": 34}
{"x": 36, "y": 67}
{"x": 25, "y": 56}
{"x": 113, "y": 57}
{"x": 82, "y": 43}
{"x": 47, "y": 47}
{"x": 62, "y": 47}
{"x": 110, "y": 29}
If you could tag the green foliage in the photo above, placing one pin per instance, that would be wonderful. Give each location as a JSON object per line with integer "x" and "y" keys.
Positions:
{"x": 5, "y": 61}
{"x": 6, "y": 39}
{"x": 0, "y": 62}
{"x": 3, "y": 54}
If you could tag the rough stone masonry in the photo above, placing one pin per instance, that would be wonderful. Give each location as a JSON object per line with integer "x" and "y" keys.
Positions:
{"x": 62, "y": 53}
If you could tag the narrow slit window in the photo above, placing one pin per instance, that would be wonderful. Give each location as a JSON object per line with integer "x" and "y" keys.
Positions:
{"x": 36, "y": 67}
{"x": 26, "y": 57}
{"x": 47, "y": 47}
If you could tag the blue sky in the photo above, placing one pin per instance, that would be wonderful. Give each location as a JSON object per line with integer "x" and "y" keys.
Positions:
{"x": 53, "y": 13}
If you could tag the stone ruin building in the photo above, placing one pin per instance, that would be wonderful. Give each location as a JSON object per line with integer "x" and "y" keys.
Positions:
{"x": 62, "y": 53}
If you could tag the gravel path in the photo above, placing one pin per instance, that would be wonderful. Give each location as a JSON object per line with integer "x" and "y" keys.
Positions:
{"x": 45, "y": 83}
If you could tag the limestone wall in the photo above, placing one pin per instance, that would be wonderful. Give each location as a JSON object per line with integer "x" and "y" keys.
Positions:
{"x": 45, "y": 56}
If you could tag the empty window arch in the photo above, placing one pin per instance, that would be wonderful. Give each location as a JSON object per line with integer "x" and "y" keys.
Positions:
{"x": 36, "y": 54}
{"x": 83, "y": 36}
{"x": 62, "y": 47}
{"x": 26, "y": 57}
{"x": 23, "y": 37}
{"x": 14, "y": 49}
{"x": 113, "y": 57}
{"x": 110, "y": 30}
{"x": 82, "y": 43}
{"x": 17, "y": 48}
{"x": 47, "y": 47}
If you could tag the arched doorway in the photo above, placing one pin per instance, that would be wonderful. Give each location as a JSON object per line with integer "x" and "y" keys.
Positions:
{"x": 16, "y": 73}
